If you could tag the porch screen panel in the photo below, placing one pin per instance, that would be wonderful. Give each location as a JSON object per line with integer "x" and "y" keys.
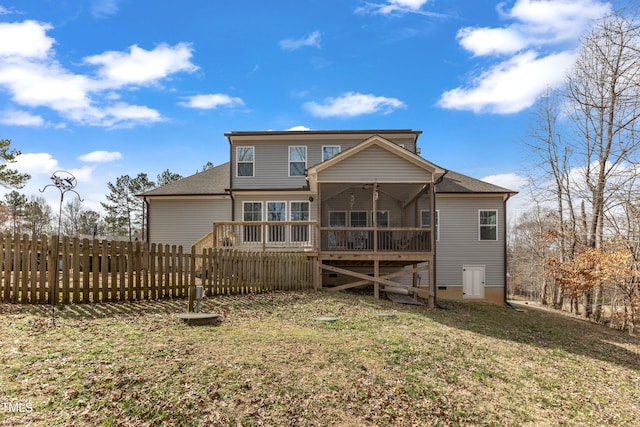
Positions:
{"x": 359, "y": 239}
{"x": 337, "y": 240}
{"x": 276, "y": 211}
{"x": 252, "y": 211}
{"x": 300, "y": 212}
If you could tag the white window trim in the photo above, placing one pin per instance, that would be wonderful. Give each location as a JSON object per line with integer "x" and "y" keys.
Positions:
{"x": 306, "y": 156}
{"x": 488, "y": 225}
{"x": 299, "y": 201}
{"x": 262, "y": 206}
{"x": 253, "y": 162}
{"x": 326, "y": 146}
{"x": 436, "y": 227}
{"x": 266, "y": 210}
{"x": 346, "y": 218}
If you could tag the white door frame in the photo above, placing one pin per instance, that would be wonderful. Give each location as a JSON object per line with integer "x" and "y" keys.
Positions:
{"x": 473, "y": 277}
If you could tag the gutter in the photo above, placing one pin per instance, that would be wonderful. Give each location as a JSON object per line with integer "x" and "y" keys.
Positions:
{"x": 147, "y": 226}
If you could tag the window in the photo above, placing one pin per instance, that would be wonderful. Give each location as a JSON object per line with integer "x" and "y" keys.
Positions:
{"x": 488, "y": 225}
{"x": 328, "y": 151}
{"x": 299, "y": 212}
{"x": 244, "y": 161}
{"x": 358, "y": 218}
{"x": 337, "y": 219}
{"x": 297, "y": 160}
{"x": 276, "y": 211}
{"x": 252, "y": 211}
{"x": 382, "y": 219}
{"x": 425, "y": 221}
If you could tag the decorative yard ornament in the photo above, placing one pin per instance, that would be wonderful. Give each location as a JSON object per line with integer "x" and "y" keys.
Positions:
{"x": 65, "y": 182}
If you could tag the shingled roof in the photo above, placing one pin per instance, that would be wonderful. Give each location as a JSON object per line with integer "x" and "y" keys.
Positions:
{"x": 454, "y": 182}
{"x": 214, "y": 181}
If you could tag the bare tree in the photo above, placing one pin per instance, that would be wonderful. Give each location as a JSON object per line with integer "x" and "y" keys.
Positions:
{"x": 71, "y": 212}
{"x": 603, "y": 93}
{"x": 38, "y": 215}
{"x": 552, "y": 184}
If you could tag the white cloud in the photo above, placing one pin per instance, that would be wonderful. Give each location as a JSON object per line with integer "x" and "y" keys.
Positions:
{"x": 491, "y": 41}
{"x": 353, "y": 104}
{"x": 83, "y": 174}
{"x": 104, "y": 8}
{"x": 37, "y": 84}
{"x": 312, "y": 39}
{"x": 394, "y": 7}
{"x": 26, "y": 39}
{"x": 100, "y": 156}
{"x": 510, "y": 86}
{"x": 122, "y": 114}
{"x": 140, "y": 66}
{"x": 510, "y": 181}
{"x": 4, "y": 10}
{"x": 33, "y": 78}
{"x": 211, "y": 101}
{"x": 20, "y": 118}
{"x": 539, "y": 43}
{"x": 35, "y": 164}
{"x": 557, "y": 20}
{"x": 298, "y": 128}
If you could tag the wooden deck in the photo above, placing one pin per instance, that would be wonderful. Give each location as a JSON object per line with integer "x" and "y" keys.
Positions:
{"x": 345, "y": 251}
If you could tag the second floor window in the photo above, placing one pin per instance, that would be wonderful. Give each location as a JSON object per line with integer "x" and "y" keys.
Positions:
{"x": 488, "y": 223}
{"x": 328, "y": 151}
{"x": 244, "y": 160}
{"x": 297, "y": 160}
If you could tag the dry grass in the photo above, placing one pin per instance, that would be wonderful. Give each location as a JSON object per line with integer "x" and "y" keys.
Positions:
{"x": 270, "y": 363}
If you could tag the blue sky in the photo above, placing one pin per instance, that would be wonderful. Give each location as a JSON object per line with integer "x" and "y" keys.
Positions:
{"x": 104, "y": 88}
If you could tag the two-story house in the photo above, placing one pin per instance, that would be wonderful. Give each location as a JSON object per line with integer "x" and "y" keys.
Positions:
{"x": 363, "y": 204}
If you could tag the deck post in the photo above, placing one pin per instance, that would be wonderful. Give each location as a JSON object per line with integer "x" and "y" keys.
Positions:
{"x": 376, "y": 274}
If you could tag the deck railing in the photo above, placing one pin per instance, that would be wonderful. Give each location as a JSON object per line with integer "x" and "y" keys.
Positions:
{"x": 388, "y": 239}
{"x": 302, "y": 235}
{"x": 262, "y": 235}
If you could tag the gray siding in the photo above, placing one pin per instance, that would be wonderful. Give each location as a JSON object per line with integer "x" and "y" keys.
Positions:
{"x": 459, "y": 243}
{"x": 374, "y": 164}
{"x": 271, "y": 165}
{"x": 195, "y": 218}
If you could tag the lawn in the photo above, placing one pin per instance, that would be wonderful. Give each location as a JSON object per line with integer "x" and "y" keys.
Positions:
{"x": 270, "y": 363}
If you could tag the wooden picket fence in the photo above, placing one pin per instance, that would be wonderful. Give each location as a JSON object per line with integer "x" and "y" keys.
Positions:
{"x": 100, "y": 270}
{"x": 226, "y": 271}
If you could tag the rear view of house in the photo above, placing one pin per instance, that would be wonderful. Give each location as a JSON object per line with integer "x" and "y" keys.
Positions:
{"x": 364, "y": 205}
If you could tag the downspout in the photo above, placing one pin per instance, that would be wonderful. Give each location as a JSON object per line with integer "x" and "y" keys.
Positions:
{"x": 435, "y": 240}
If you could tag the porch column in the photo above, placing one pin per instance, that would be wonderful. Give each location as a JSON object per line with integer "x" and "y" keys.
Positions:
{"x": 376, "y": 274}
{"x": 374, "y": 197}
